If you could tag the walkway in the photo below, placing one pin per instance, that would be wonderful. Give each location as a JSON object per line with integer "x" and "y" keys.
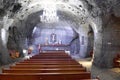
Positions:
{"x": 103, "y": 74}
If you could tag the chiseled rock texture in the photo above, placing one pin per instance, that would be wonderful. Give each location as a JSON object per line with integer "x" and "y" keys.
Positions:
{"x": 18, "y": 21}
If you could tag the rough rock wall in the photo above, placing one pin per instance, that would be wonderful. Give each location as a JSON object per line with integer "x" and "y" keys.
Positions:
{"x": 75, "y": 47}
{"x": 100, "y": 11}
{"x": 111, "y": 42}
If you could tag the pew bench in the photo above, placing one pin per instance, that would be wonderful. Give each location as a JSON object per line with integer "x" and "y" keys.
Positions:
{"x": 45, "y": 76}
{"x": 51, "y": 54}
{"x": 65, "y": 65}
{"x": 49, "y": 60}
{"x": 50, "y": 63}
{"x": 116, "y": 60}
{"x": 117, "y": 63}
{"x": 49, "y": 57}
{"x": 47, "y": 66}
{"x": 44, "y": 66}
{"x": 43, "y": 70}
{"x": 20, "y": 67}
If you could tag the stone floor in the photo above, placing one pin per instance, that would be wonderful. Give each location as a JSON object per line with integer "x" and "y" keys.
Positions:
{"x": 103, "y": 74}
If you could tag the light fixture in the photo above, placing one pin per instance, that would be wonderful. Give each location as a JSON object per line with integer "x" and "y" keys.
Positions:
{"x": 49, "y": 13}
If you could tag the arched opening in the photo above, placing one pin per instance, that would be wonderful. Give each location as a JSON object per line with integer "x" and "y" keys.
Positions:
{"x": 58, "y": 36}
{"x": 90, "y": 41}
{"x": 26, "y": 23}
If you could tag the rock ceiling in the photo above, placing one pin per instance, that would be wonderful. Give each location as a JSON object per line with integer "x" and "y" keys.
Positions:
{"x": 78, "y": 10}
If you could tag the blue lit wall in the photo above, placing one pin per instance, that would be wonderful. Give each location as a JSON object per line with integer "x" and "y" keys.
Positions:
{"x": 43, "y": 36}
{"x": 62, "y": 35}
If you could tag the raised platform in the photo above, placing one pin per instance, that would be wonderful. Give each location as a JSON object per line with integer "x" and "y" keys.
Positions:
{"x": 54, "y": 47}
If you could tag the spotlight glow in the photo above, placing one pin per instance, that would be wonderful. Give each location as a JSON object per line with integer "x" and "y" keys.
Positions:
{"x": 3, "y": 35}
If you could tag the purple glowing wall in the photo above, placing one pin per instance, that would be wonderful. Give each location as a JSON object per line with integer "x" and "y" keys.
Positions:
{"x": 42, "y": 36}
